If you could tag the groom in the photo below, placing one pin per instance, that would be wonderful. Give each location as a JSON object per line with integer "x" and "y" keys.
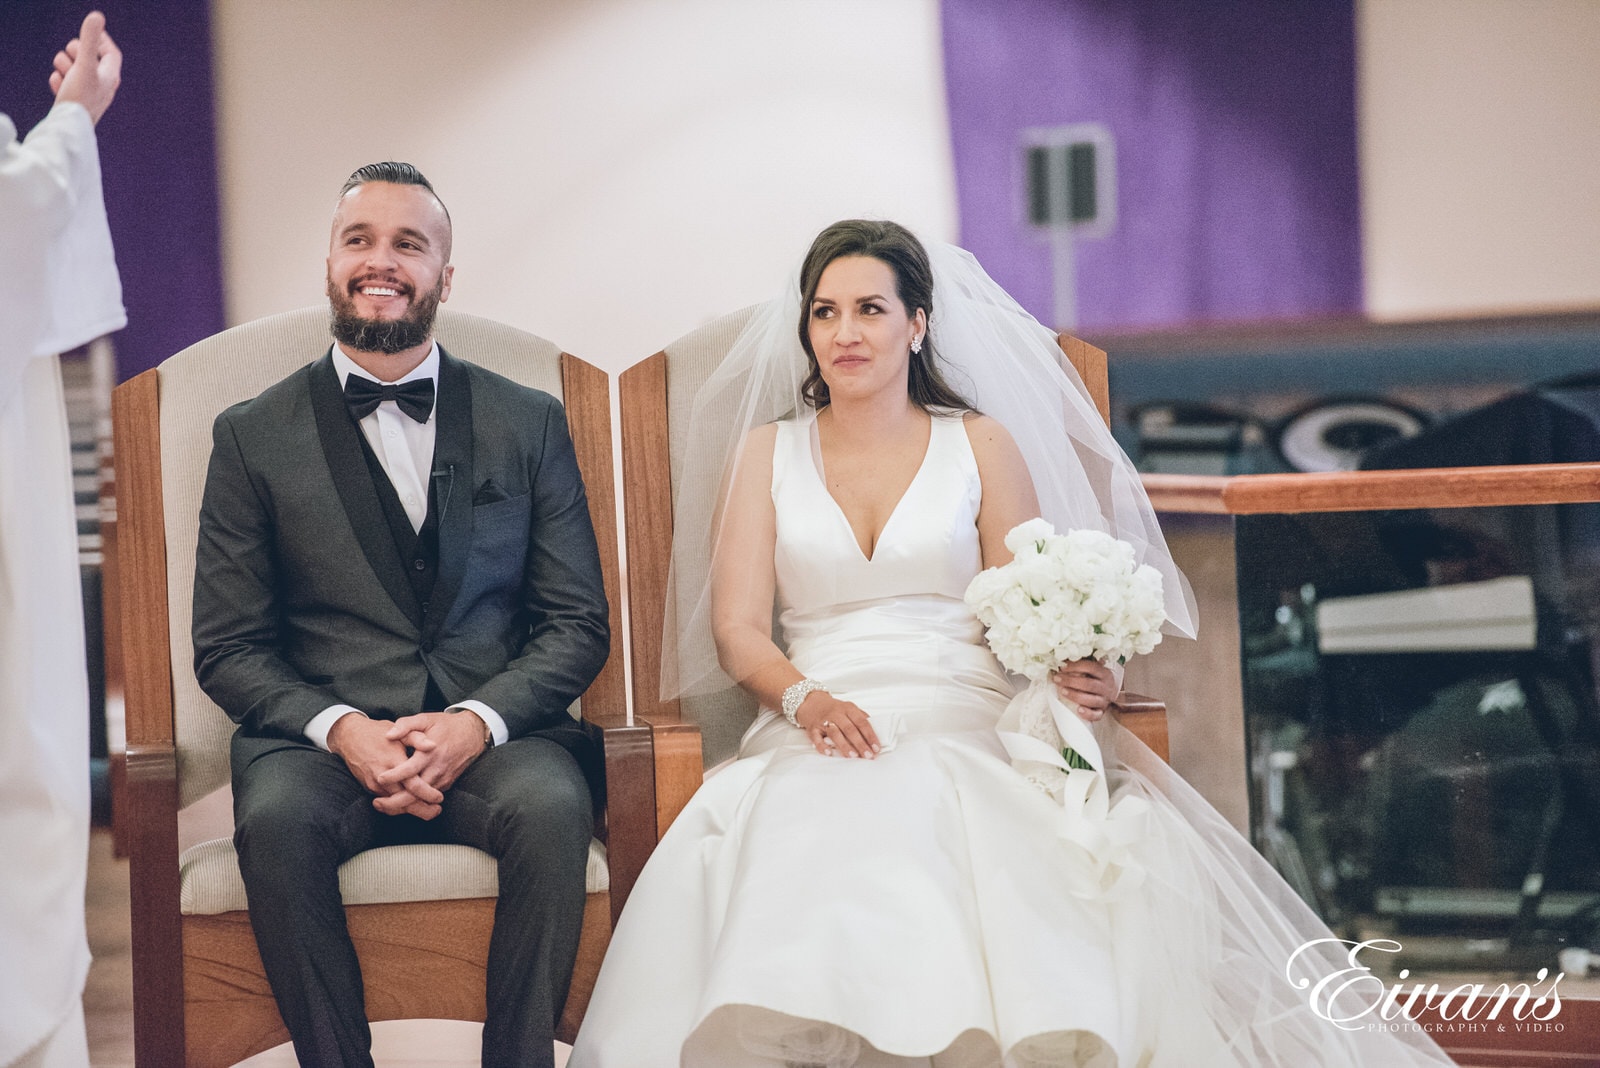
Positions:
{"x": 397, "y": 596}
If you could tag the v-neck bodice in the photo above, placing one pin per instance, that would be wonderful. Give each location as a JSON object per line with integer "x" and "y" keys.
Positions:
{"x": 822, "y": 474}
{"x": 926, "y": 554}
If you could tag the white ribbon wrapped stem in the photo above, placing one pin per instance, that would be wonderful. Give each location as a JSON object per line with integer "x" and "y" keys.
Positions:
{"x": 1104, "y": 832}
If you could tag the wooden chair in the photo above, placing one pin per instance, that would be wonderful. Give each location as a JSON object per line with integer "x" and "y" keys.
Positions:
{"x": 657, "y": 398}
{"x": 420, "y": 915}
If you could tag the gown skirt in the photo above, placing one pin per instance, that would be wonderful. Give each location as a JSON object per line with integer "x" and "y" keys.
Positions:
{"x": 931, "y": 907}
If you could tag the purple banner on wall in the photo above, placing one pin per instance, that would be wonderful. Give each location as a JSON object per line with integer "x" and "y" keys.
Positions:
{"x": 157, "y": 157}
{"x": 1235, "y": 131}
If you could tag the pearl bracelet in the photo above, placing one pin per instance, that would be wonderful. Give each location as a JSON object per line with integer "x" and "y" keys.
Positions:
{"x": 796, "y": 693}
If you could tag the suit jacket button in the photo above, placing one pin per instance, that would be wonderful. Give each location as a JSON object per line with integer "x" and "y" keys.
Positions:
{"x": 420, "y": 565}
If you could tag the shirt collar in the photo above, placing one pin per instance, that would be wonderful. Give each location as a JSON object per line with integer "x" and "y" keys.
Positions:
{"x": 428, "y": 368}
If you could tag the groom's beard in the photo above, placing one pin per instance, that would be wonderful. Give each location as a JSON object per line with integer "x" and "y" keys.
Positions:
{"x": 387, "y": 336}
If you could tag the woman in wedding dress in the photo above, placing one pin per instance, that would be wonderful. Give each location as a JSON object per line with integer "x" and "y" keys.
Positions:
{"x": 872, "y": 883}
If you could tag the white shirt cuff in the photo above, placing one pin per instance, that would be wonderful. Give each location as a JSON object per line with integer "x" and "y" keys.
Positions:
{"x": 491, "y": 719}
{"x": 321, "y": 723}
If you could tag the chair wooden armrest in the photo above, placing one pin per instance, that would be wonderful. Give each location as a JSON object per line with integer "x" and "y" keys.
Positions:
{"x": 1146, "y": 718}
{"x": 151, "y": 822}
{"x": 680, "y": 767}
{"x": 646, "y": 769}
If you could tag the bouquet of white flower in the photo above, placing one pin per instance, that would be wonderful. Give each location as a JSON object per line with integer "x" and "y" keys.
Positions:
{"x": 1069, "y": 597}
{"x": 1065, "y": 597}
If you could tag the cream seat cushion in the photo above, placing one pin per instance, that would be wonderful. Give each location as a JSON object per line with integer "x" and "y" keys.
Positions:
{"x": 212, "y": 884}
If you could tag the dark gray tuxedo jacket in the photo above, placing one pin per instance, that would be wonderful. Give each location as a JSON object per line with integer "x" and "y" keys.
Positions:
{"x": 301, "y": 598}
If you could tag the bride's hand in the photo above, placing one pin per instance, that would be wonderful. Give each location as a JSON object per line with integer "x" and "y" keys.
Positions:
{"x": 837, "y": 728}
{"x": 1089, "y": 684}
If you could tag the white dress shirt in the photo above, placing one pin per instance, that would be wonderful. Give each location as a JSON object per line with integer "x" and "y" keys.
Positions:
{"x": 404, "y": 447}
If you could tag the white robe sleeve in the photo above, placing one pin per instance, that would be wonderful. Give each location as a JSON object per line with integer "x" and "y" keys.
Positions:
{"x": 59, "y": 286}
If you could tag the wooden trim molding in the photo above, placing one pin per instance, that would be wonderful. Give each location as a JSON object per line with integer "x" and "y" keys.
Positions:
{"x": 587, "y": 392}
{"x": 142, "y": 560}
{"x": 1090, "y": 363}
{"x": 647, "y": 487}
{"x": 152, "y": 770}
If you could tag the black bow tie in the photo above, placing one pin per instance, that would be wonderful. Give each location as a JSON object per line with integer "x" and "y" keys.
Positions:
{"x": 362, "y": 396}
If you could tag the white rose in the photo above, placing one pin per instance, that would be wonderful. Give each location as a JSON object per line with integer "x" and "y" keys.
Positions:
{"x": 1014, "y": 605}
{"x": 1075, "y": 640}
{"x": 985, "y": 589}
{"x": 1025, "y": 538}
{"x": 1103, "y": 604}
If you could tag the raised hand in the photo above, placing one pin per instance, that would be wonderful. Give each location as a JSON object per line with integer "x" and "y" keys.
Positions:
{"x": 837, "y": 728}
{"x": 1089, "y": 684}
{"x": 89, "y": 69}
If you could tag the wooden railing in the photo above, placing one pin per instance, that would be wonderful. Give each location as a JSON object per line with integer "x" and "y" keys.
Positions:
{"x": 1374, "y": 491}
{"x": 1449, "y": 487}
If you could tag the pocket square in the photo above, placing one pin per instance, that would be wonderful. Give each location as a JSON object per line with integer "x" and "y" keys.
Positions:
{"x": 488, "y": 493}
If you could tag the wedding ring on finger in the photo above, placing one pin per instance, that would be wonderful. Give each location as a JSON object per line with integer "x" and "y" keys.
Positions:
{"x": 827, "y": 723}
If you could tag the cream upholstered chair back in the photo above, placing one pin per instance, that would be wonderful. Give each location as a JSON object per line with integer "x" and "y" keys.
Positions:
{"x": 209, "y": 376}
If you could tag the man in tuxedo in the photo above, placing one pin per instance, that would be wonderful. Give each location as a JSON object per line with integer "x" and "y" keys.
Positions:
{"x": 397, "y": 597}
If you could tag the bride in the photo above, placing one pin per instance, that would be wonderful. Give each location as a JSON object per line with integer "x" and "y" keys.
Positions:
{"x": 871, "y": 883}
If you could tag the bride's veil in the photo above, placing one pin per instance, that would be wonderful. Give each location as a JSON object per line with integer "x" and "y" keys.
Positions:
{"x": 1219, "y": 946}
{"x": 991, "y": 351}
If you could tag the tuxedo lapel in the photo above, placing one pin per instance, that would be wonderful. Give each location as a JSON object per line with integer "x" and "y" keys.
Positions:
{"x": 452, "y": 485}
{"x": 341, "y": 446}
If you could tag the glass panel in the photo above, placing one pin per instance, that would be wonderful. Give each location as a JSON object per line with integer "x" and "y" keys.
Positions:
{"x": 1422, "y": 723}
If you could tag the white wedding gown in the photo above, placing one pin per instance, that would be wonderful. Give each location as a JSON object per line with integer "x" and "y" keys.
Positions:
{"x": 922, "y": 908}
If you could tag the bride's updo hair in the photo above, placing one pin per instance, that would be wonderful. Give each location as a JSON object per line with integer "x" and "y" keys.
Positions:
{"x": 898, "y": 249}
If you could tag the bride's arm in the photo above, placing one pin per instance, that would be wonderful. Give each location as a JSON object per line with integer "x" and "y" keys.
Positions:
{"x": 1008, "y": 499}
{"x": 743, "y": 583}
{"x": 1008, "y": 494}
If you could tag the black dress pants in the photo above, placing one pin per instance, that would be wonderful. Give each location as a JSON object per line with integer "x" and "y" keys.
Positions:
{"x": 299, "y": 814}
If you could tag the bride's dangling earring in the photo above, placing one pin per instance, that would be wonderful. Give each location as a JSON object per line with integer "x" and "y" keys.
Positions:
{"x": 916, "y": 346}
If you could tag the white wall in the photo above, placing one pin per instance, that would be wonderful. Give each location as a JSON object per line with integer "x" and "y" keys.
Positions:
{"x": 622, "y": 170}
{"x": 1480, "y": 155}
{"x": 619, "y": 171}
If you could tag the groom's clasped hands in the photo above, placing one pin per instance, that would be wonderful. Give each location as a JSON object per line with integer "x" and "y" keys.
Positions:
{"x": 409, "y": 764}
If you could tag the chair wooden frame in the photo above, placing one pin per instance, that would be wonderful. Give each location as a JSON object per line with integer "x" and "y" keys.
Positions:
{"x": 200, "y": 996}
{"x": 647, "y": 489}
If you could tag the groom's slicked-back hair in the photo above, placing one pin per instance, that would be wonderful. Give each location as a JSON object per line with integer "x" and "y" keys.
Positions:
{"x": 398, "y": 174}
{"x": 390, "y": 171}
